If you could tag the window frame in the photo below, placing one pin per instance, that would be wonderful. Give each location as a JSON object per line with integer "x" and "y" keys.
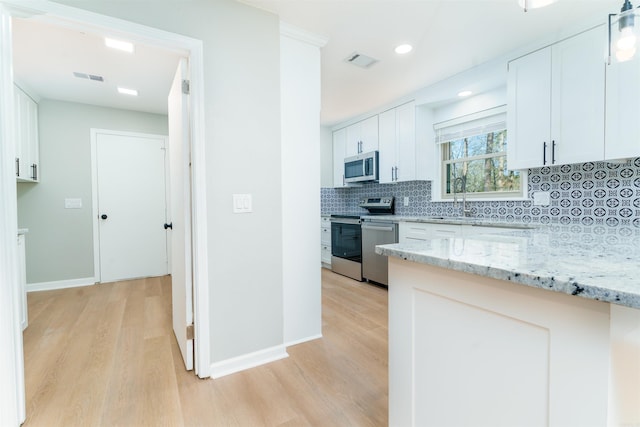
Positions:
{"x": 438, "y": 188}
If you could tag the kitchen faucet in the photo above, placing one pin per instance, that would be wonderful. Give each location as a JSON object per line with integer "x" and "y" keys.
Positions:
{"x": 463, "y": 187}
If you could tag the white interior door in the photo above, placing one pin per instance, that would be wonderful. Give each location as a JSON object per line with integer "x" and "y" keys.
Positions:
{"x": 179, "y": 165}
{"x": 131, "y": 205}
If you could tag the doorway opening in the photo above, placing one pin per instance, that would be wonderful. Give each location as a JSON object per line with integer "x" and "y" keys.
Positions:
{"x": 65, "y": 16}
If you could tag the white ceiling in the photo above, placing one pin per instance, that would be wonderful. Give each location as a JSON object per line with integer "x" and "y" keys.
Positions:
{"x": 45, "y": 56}
{"x": 449, "y": 36}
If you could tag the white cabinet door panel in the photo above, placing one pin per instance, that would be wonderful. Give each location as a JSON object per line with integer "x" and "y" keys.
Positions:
{"x": 406, "y": 142}
{"x": 339, "y": 151}
{"x": 622, "y": 138}
{"x": 529, "y": 115}
{"x": 387, "y": 123}
{"x": 578, "y": 85}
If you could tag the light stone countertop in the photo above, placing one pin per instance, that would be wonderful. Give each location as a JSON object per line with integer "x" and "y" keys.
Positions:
{"x": 596, "y": 262}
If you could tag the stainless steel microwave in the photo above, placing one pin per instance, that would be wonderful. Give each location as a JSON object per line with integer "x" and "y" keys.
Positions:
{"x": 363, "y": 167}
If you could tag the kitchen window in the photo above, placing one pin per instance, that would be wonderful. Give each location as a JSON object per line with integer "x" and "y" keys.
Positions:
{"x": 473, "y": 152}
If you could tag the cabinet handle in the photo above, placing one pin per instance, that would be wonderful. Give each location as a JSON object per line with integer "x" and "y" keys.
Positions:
{"x": 17, "y": 167}
{"x": 553, "y": 152}
{"x": 34, "y": 171}
{"x": 544, "y": 153}
{"x": 396, "y": 173}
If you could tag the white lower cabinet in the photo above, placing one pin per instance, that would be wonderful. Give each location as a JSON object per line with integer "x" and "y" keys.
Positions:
{"x": 468, "y": 350}
{"x": 325, "y": 240}
{"x": 420, "y": 231}
{"x": 22, "y": 281}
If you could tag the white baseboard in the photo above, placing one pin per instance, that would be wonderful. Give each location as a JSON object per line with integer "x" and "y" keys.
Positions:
{"x": 246, "y": 361}
{"x": 60, "y": 284}
{"x": 303, "y": 340}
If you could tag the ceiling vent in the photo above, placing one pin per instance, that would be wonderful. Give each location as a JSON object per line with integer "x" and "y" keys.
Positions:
{"x": 88, "y": 76}
{"x": 360, "y": 60}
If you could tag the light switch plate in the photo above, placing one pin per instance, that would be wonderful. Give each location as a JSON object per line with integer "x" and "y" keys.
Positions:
{"x": 406, "y": 201}
{"x": 242, "y": 203}
{"x": 541, "y": 198}
{"x": 73, "y": 203}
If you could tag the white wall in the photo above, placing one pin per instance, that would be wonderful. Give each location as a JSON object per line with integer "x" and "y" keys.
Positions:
{"x": 60, "y": 241}
{"x": 243, "y": 155}
{"x": 300, "y": 118}
{"x": 473, "y": 104}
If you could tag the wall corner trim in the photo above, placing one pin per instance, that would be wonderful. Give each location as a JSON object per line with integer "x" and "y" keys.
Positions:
{"x": 303, "y": 340}
{"x": 246, "y": 361}
{"x": 61, "y": 284}
{"x": 296, "y": 33}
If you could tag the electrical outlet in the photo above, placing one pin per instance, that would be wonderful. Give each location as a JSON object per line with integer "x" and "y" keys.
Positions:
{"x": 406, "y": 201}
{"x": 242, "y": 203}
{"x": 541, "y": 198}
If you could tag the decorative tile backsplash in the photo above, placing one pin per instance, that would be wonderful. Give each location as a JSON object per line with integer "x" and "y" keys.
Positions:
{"x": 594, "y": 193}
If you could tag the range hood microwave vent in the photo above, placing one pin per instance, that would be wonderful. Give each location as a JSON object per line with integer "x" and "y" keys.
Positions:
{"x": 360, "y": 60}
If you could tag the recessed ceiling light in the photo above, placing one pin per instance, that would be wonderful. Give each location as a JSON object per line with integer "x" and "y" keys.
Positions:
{"x": 119, "y": 44}
{"x": 534, "y": 4}
{"x": 464, "y": 93}
{"x": 126, "y": 91}
{"x": 404, "y": 48}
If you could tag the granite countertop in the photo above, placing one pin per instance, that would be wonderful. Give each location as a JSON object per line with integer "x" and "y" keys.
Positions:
{"x": 596, "y": 262}
{"x": 487, "y": 222}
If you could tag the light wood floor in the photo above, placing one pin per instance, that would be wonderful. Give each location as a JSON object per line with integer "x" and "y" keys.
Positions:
{"x": 105, "y": 355}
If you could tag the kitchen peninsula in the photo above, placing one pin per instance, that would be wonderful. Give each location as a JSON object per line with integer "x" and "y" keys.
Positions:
{"x": 522, "y": 327}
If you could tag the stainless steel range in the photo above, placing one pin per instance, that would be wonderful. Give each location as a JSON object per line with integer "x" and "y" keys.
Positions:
{"x": 353, "y": 241}
{"x": 346, "y": 246}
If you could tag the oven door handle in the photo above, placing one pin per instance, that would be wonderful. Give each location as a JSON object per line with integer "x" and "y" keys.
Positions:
{"x": 378, "y": 227}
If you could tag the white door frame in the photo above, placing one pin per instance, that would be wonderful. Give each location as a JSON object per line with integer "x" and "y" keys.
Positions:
{"x": 193, "y": 48}
{"x": 12, "y": 395}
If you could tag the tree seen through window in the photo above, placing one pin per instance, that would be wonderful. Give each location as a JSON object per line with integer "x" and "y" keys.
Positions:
{"x": 479, "y": 163}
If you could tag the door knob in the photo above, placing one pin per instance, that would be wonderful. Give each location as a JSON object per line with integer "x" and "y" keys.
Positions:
{"x": 104, "y": 216}
{"x": 170, "y": 225}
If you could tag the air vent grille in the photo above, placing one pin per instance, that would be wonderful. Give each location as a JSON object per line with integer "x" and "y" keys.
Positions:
{"x": 93, "y": 77}
{"x": 360, "y": 60}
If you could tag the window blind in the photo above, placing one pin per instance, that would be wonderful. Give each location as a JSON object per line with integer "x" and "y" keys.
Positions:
{"x": 482, "y": 122}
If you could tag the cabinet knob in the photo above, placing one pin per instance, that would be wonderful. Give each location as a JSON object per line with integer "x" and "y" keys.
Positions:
{"x": 104, "y": 216}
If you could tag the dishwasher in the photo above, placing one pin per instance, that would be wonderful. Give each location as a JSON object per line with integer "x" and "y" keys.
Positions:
{"x": 376, "y": 232}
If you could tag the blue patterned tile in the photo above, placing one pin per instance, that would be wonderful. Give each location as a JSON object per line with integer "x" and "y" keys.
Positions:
{"x": 594, "y": 193}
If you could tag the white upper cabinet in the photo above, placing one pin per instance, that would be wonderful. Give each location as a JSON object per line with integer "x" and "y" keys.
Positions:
{"x": 622, "y": 136}
{"x": 27, "y": 145}
{"x": 397, "y": 129}
{"x": 556, "y": 101}
{"x": 529, "y": 110}
{"x": 339, "y": 150}
{"x": 578, "y": 97}
{"x": 362, "y": 137}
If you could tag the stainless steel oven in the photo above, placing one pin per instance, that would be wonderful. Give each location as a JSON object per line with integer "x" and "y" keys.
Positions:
{"x": 346, "y": 246}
